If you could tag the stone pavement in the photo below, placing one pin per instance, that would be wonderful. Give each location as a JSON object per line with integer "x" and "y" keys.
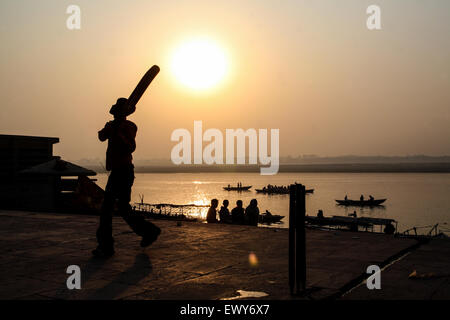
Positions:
{"x": 189, "y": 261}
{"x": 432, "y": 265}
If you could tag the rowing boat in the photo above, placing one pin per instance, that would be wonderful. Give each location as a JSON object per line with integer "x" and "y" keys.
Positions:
{"x": 359, "y": 203}
{"x": 243, "y": 188}
{"x": 284, "y": 191}
{"x": 268, "y": 219}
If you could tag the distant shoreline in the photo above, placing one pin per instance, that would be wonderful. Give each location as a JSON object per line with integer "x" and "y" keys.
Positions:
{"x": 293, "y": 168}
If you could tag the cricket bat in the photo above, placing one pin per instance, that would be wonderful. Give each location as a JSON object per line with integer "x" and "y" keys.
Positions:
{"x": 142, "y": 86}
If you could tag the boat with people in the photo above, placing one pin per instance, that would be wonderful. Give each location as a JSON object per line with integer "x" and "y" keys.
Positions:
{"x": 272, "y": 191}
{"x": 243, "y": 188}
{"x": 361, "y": 203}
{"x": 269, "y": 189}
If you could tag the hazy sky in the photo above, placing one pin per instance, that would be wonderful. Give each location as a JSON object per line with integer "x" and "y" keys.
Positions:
{"x": 309, "y": 68}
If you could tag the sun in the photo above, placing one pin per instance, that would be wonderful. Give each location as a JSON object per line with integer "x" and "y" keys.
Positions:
{"x": 199, "y": 64}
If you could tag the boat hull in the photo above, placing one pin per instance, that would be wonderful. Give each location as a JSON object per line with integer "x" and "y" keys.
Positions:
{"x": 280, "y": 192}
{"x": 359, "y": 203}
{"x": 245, "y": 188}
{"x": 270, "y": 219}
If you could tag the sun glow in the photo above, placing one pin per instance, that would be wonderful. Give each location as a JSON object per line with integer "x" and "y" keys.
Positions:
{"x": 199, "y": 64}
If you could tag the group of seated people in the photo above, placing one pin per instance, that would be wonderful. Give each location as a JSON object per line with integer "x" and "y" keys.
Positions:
{"x": 238, "y": 215}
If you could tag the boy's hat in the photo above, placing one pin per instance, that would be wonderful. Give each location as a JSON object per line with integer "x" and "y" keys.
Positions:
{"x": 122, "y": 108}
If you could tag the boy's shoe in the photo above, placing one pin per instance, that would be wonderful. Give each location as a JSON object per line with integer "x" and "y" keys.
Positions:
{"x": 101, "y": 253}
{"x": 149, "y": 239}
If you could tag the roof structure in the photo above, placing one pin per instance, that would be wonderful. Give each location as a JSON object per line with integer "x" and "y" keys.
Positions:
{"x": 59, "y": 167}
{"x": 4, "y": 137}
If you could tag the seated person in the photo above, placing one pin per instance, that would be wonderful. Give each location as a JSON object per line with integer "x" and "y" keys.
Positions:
{"x": 320, "y": 214}
{"x": 211, "y": 215}
{"x": 224, "y": 213}
{"x": 389, "y": 229}
{"x": 252, "y": 213}
{"x": 237, "y": 214}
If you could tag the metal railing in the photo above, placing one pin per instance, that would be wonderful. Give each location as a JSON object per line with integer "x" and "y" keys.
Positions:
{"x": 434, "y": 228}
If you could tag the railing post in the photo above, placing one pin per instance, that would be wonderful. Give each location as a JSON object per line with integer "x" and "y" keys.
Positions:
{"x": 292, "y": 201}
{"x": 301, "y": 239}
{"x": 297, "y": 238}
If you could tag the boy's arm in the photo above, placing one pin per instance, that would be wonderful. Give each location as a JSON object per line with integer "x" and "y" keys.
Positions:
{"x": 128, "y": 137}
{"x": 105, "y": 133}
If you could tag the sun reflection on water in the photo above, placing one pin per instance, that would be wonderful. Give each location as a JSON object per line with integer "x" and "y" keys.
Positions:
{"x": 200, "y": 200}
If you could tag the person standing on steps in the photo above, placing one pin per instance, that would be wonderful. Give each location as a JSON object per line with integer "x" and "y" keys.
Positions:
{"x": 121, "y": 134}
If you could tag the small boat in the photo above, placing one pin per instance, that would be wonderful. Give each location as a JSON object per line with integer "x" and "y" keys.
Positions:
{"x": 359, "y": 203}
{"x": 269, "y": 218}
{"x": 279, "y": 191}
{"x": 268, "y": 191}
{"x": 335, "y": 221}
{"x": 243, "y": 188}
{"x": 354, "y": 223}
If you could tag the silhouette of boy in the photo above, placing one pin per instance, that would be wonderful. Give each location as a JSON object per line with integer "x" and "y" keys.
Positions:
{"x": 252, "y": 213}
{"x": 121, "y": 134}
{"x": 224, "y": 213}
{"x": 237, "y": 214}
{"x": 211, "y": 215}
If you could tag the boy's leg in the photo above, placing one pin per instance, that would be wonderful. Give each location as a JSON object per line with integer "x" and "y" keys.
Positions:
{"x": 137, "y": 223}
{"x": 104, "y": 232}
